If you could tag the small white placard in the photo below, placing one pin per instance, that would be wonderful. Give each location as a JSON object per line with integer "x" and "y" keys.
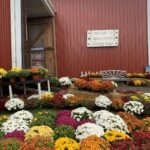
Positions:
{"x": 102, "y": 38}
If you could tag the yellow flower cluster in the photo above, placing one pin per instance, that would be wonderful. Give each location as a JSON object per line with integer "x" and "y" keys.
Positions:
{"x": 147, "y": 122}
{"x": 2, "y": 72}
{"x": 42, "y": 112}
{"x": 66, "y": 143}
{"x": 137, "y": 82}
{"x": 39, "y": 131}
{"x": 114, "y": 135}
{"x": 3, "y": 118}
{"x": 146, "y": 98}
{"x": 47, "y": 96}
{"x": 16, "y": 69}
{"x": 135, "y": 98}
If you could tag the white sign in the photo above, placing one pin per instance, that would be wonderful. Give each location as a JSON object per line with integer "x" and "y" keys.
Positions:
{"x": 102, "y": 38}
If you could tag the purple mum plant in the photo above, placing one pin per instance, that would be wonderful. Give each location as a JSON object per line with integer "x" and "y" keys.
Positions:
{"x": 66, "y": 113}
{"x": 64, "y": 120}
{"x": 16, "y": 134}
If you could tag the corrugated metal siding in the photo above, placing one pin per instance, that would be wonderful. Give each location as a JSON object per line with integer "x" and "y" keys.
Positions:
{"x": 75, "y": 17}
{"x": 5, "y": 34}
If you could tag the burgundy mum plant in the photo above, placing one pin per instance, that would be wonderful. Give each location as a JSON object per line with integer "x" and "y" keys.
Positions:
{"x": 64, "y": 120}
{"x": 16, "y": 134}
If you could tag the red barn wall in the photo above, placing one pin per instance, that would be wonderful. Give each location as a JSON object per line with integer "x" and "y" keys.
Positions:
{"x": 5, "y": 34}
{"x": 75, "y": 17}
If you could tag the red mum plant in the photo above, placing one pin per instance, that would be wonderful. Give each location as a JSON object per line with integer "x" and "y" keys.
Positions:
{"x": 2, "y": 103}
{"x": 58, "y": 101}
{"x": 126, "y": 144}
{"x": 142, "y": 139}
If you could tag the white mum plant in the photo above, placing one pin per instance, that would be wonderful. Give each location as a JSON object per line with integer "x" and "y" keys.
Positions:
{"x": 23, "y": 114}
{"x": 109, "y": 121}
{"x": 18, "y": 121}
{"x": 102, "y": 101}
{"x": 81, "y": 113}
{"x": 65, "y": 81}
{"x": 14, "y": 104}
{"x": 14, "y": 124}
{"x": 115, "y": 84}
{"x": 88, "y": 129}
{"x": 65, "y": 96}
{"x": 33, "y": 96}
{"x": 134, "y": 107}
{"x": 146, "y": 94}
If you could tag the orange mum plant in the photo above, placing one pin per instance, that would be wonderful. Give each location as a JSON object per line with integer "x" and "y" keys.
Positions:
{"x": 94, "y": 143}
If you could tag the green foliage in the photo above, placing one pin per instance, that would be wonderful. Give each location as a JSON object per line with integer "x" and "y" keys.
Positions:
{"x": 44, "y": 118}
{"x": 64, "y": 131}
{"x": 11, "y": 74}
{"x": 24, "y": 73}
{"x": 54, "y": 81}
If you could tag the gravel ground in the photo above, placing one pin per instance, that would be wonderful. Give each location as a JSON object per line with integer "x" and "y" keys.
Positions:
{"x": 124, "y": 88}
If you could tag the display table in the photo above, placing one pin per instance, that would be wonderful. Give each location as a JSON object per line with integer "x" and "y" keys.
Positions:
{"x": 38, "y": 82}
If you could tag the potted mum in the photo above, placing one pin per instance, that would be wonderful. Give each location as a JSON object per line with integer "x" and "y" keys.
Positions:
{"x": 11, "y": 75}
{"x": 24, "y": 74}
{"x": 38, "y": 73}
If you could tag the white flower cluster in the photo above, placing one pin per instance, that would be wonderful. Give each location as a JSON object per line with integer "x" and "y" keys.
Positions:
{"x": 34, "y": 96}
{"x": 115, "y": 84}
{"x": 65, "y": 96}
{"x": 18, "y": 121}
{"x": 146, "y": 94}
{"x": 23, "y": 114}
{"x": 134, "y": 107}
{"x": 102, "y": 101}
{"x": 14, "y": 104}
{"x": 109, "y": 121}
{"x": 65, "y": 81}
{"x": 81, "y": 113}
{"x": 88, "y": 129}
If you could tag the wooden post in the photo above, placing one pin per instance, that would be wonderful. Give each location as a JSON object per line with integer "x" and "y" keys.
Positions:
{"x": 24, "y": 88}
{"x": 48, "y": 86}
{"x": 39, "y": 90}
{"x": 10, "y": 92}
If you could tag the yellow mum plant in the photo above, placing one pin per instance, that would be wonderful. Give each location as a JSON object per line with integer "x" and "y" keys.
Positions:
{"x": 39, "y": 131}
{"x": 16, "y": 69}
{"x": 2, "y": 72}
{"x": 46, "y": 98}
{"x": 147, "y": 122}
{"x": 66, "y": 143}
{"x": 113, "y": 135}
{"x": 4, "y": 118}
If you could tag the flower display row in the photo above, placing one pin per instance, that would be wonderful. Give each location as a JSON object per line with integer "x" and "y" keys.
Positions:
{"x": 65, "y": 136}
{"x": 23, "y": 74}
{"x": 95, "y": 85}
{"x": 138, "y": 82}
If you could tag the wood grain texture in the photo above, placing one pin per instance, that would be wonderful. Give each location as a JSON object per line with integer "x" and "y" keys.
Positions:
{"x": 75, "y": 17}
{"x": 5, "y": 35}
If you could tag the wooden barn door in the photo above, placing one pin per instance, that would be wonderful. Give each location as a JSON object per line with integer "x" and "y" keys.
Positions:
{"x": 41, "y": 44}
